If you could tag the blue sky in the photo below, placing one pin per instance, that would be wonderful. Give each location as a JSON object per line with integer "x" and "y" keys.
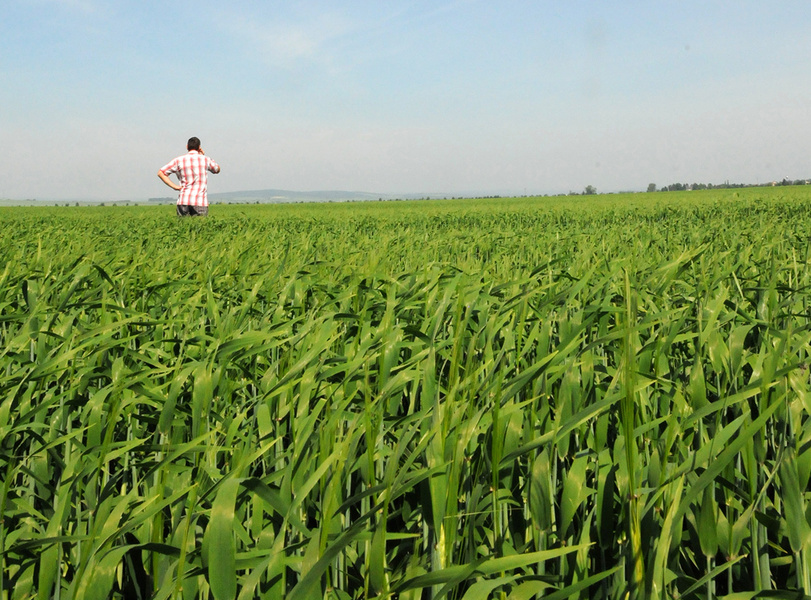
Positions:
{"x": 456, "y": 97}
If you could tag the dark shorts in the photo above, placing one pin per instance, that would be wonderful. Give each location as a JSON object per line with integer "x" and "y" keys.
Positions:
{"x": 186, "y": 210}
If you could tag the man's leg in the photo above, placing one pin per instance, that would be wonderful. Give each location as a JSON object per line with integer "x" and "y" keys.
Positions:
{"x": 186, "y": 210}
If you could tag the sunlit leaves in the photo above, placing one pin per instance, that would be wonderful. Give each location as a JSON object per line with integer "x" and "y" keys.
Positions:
{"x": 510, "y": 399}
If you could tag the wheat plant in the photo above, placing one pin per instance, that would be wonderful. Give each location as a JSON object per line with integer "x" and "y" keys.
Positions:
{"x": 518, "y": 398}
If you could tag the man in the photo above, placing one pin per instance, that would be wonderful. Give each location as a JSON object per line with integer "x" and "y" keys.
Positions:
{"x": 191, "y": 168}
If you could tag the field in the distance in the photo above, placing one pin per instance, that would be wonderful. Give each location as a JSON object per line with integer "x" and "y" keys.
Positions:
{"x": 531, "y": 398}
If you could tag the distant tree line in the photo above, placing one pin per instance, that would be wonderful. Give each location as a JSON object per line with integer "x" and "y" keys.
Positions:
{"x": 684, "y": 187}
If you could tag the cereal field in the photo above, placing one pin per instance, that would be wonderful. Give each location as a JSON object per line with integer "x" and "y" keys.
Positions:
{"x": 595, "y": 397}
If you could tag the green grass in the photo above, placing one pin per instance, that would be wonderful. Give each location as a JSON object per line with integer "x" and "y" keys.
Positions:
{"x": 557, "y": 397}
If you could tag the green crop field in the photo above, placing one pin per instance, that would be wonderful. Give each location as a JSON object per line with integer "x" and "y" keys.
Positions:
{"x": 595, "y": 397}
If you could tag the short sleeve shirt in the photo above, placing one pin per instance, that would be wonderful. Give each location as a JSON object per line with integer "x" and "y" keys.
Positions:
{"x": 192, "y": 169}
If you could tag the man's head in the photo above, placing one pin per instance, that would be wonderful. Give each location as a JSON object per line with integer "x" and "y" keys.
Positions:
{"x": 194, "y": 144}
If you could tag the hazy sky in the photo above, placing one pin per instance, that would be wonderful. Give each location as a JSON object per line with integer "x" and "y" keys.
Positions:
{"x": 395, "y": 96}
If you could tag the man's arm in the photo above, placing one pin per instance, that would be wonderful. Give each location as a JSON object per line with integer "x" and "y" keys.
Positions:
{"x": 214, "y": 168}
{"x": 165, "y": 178}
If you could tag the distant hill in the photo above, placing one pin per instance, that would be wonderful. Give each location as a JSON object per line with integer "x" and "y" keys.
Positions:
{"x": 286, "y": 196}
{"x": 281, "y": 196}
{"x": 241, "y": 197}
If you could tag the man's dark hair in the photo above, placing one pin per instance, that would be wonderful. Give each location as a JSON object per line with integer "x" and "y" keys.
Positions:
{"x": 194, "y": 144}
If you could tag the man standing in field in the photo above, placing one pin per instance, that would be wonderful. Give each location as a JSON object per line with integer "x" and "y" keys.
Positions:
{"x": 191, "y": 168}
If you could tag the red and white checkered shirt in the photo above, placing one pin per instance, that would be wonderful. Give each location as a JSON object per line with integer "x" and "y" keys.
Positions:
{"x": 192, "y": 169}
